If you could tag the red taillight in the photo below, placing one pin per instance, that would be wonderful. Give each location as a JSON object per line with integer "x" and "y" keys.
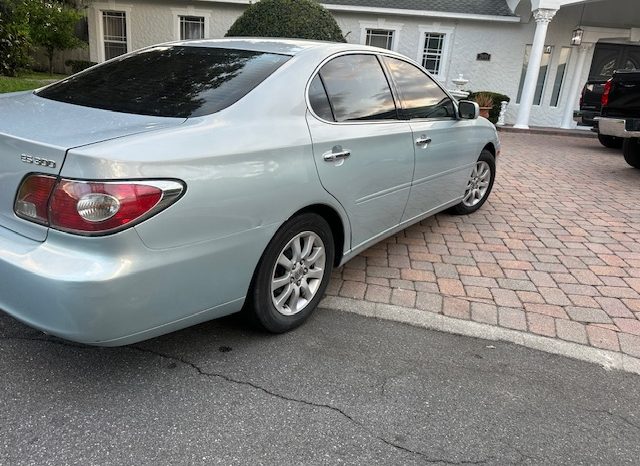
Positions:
{"x": 604, "y": 100}
{"x": 92, "y": 207}
{"x": 33, "y": 198}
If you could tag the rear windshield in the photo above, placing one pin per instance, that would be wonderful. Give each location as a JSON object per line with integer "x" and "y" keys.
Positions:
{"x": 169, "y": 81}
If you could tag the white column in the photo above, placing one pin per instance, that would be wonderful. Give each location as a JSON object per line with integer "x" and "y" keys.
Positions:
{"x": 543, "y": 17}
{"x": 575, "y": 89}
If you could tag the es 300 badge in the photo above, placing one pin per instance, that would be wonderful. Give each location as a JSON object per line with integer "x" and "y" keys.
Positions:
{"x": 38, "y": 161}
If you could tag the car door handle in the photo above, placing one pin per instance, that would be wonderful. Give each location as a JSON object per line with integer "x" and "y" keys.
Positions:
{"x": 333, "y": 156}
{"x": 422, "y": 140}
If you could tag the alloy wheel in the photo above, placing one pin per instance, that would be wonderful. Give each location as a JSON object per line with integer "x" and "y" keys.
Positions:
{"x": 298, "y": 272}
{"x": 478, "y": 184}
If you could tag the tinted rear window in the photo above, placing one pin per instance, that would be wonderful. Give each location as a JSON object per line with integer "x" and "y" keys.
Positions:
{"x": 358, "y": 89}
{"x": 169, "y": 81}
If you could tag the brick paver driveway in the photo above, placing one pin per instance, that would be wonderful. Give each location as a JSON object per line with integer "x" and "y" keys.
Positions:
{"x": 555, "y": 251}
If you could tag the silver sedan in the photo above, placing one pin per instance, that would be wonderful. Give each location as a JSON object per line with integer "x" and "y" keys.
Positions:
{"x": 190, "y": 180}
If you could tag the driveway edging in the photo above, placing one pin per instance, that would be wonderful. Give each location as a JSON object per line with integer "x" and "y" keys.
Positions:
{"x": 433, "y": 321}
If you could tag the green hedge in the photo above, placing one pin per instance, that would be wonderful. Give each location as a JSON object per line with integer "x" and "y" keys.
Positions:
{"x": 494, "y": 113}
{"x": 299, "y": 19}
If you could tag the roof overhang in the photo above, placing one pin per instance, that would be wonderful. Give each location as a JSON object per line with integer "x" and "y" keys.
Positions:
{"x": 401, "y": 12}
{"x": 421, "y": 13}
{"x": 548, "y": 4}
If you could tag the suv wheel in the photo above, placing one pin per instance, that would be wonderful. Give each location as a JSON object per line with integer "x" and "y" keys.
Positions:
{"x": 612, "y": 142}
{"x": 631, "y": 151}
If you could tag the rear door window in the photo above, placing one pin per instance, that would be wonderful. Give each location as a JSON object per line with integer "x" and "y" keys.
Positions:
{"x": 420, "y": 96}
{"x": 169, "y": 81}
{"x": 358, "y": 89}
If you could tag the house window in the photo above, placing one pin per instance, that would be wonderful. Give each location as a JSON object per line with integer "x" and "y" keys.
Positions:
{"x": 114, "y": 25}
{"x": 191, "y": 27}
{"x": 542, "y": 75}
{"x": 433, "y": 51}
{"x": 560, "y": 74}
{"x": 382, "y": 38}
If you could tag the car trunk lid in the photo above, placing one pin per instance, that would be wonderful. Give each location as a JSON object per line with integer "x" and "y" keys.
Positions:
{"x": 35, "y": 134}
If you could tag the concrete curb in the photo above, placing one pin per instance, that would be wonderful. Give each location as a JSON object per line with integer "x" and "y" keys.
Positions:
{"x": 432, "y": 321}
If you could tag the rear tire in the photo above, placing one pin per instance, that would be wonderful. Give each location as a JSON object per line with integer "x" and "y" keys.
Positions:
{"x": 292, "y": 275}
{"x": 479, "y": 185}
{"x": 631, "y": 151}
{"x": 612, "y": 142}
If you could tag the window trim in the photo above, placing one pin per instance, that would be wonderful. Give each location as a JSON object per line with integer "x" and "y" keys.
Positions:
{"x": 381, "y": 24}
{"x": 447, "y": 41}
{"x": 392, "y": 87}
{"x": 100, "y": 9}
{"x": 190, "y": 11}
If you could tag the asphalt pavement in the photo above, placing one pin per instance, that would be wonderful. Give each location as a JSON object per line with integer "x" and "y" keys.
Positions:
{"x": 341, "y": 389}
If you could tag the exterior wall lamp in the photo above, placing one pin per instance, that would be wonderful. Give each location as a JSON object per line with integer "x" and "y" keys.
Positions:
{"x": 576, "y": 36}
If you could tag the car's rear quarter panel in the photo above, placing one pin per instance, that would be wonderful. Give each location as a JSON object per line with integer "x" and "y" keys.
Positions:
{"x": 245, "y": 175}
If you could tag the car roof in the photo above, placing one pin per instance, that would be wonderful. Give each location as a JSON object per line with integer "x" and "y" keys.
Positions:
{"x": 275, "y": 45}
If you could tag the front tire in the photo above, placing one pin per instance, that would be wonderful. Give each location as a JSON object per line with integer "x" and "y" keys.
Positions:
{"x": 631, "y": 151}
{"x": 479, "y": 184}
{"x": 293, "y": 274}
{"x": 612, "y": 142}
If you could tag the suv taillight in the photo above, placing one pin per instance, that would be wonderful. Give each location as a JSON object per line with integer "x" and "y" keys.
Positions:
{"x": 92, "y": 208}
{"x": 604, "y": 100}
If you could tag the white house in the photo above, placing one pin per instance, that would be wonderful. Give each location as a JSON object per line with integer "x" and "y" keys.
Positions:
{"x": 521, "y": 48}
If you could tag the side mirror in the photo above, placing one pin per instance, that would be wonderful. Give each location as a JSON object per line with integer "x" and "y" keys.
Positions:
{"x": 468, "y": 110}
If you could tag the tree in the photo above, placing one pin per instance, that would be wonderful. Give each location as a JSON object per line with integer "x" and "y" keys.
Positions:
{"x": 14, "y": 36}
{"x": 300, "y": 19}
{"x": 52, "y": 26}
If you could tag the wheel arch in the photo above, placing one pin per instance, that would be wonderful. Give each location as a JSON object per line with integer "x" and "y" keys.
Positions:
{"x": 491, "y": 148}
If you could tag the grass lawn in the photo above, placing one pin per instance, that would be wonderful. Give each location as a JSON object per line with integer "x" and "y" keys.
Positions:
{"x": 27, "y": 80}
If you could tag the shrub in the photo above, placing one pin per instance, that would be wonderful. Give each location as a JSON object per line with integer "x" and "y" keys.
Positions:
{"x": 299, "y": 19}
{"x": 14, "y": 36}
{"x": 495, "y": 97}
{"x": 79, "y": 65}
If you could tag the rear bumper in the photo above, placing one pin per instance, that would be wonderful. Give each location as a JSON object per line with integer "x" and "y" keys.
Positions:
{"x": 615, "y": 127}
{"x": 113, "y": 290}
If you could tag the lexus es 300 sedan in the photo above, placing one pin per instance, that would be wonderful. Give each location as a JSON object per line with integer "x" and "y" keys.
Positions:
{"x": 190, "y": 180}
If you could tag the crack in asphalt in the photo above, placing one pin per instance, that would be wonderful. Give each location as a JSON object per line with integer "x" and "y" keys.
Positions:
{"x": 522, "y": 456}
{"x": 305, "y": 402}
{"x": 425, "y": 457}
{"x": 614, "y": 415}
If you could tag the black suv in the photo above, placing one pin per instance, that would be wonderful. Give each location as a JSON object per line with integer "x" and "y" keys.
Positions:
{"x": 620, "y": 114}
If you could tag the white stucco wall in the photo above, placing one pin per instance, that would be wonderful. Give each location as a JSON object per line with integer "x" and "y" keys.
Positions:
{"x": 152, "y": 22}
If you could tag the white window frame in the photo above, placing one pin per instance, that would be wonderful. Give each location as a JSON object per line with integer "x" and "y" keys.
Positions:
{"x": 381, "y": 24}
{"x": 100, "y": 8}
{"x": 447, "y": 40}
{"x": 190, "y": 11}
